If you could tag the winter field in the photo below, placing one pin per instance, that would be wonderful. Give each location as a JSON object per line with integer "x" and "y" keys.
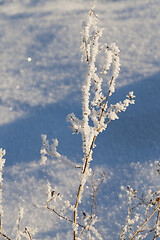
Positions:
{"x": 40, "y": 84}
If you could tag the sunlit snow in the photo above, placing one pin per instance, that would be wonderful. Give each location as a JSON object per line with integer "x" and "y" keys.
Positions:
{"x": 41, "y": 80}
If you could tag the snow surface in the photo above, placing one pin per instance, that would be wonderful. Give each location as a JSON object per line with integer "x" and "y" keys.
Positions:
{"x": 41, "y": 79}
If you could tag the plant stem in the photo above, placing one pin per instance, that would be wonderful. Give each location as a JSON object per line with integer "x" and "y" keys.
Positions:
{"x": 3, "y": 235}
{"x": 144, "y": 223}
{"x": 86, "y": 164}
{"x": 80, "y": 186}
{"x": 94, "y": 204}
{"x": 157, "y": 222}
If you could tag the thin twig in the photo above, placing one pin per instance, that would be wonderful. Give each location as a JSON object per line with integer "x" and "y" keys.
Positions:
{"x": 149, "y": 204}
{"x": 59, "y": 215}
{"x": 86, "y": 164}
{"x": 18, "y": 226}
{"x": 92, "y": 11}
{"x": 27, "y": 232}
{"x": 129, "y": 214}
{"x": 103, "y": 109}
{"x": 5, "y": 236}
{"x": 157, "y": 221}
{"x": 93, "y": 204}
{"x": 144, "y": 223}
{"x": 80, "y": 186}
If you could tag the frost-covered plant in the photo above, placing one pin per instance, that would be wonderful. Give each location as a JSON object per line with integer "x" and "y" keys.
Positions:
{"x": 143, "y": 219}
{"x": 97, "y": 113}
{"x": 27, "y": 232}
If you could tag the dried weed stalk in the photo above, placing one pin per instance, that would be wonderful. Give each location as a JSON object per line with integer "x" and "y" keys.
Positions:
{"x": 26, "y": 233}
{"x": 96, "y": 114}
{"x": 143, "y": 218}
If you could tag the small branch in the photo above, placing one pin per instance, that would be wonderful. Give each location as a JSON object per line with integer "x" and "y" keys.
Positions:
{"x": 151, "y": 202}
{"x": 59, "y": 215}
{"x": 157, "y": 222}
{"x": 5, "y": 236}
{"x": 144, "y": 223}
{"x": 18, "y": 226}
{"x": 92, "y": 11}
{"x": 80, "y": 186}
{"x": 27, "y": 232}
{"x": 86, "y": 163}
{"x": 103, "y": 109}
{"x": 94, "y": 203}
{"x": 129, "y": 214}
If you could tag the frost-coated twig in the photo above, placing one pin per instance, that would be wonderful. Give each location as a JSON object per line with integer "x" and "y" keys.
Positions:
{"x": 2, "y": 161}
{"x": 20, "y": 217}
{"x": 28, "y": 233}
{"x": 157, "y": 227}
{"x": 152, "y": 205}
{"x": 60, "y": 215}
{"x": 94, "y": 203}
{"x": 5, "y": 236}
{"x": 139, "y": 229}
{"x": 51, "y": 150}
{"x": 97, "y": 111}
{"x": 96, "y": 114}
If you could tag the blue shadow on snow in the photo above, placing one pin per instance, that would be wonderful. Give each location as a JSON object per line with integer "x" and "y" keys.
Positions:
{"x": 134, "y": 137}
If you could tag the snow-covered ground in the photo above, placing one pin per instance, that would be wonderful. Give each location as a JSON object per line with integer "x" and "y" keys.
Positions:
{"x": 36, "y": 96}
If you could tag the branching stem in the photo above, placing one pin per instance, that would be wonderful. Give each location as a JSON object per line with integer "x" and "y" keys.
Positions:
{"x": 155, "y": 234}
{"x": 144, "y": 223}
{"x": 28, "y": 233}
{"x": 60, "y": 215}
{"x": 5, "y": 236}
{"x": 86, "y": 162}
{"x": 94, "y": 204}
